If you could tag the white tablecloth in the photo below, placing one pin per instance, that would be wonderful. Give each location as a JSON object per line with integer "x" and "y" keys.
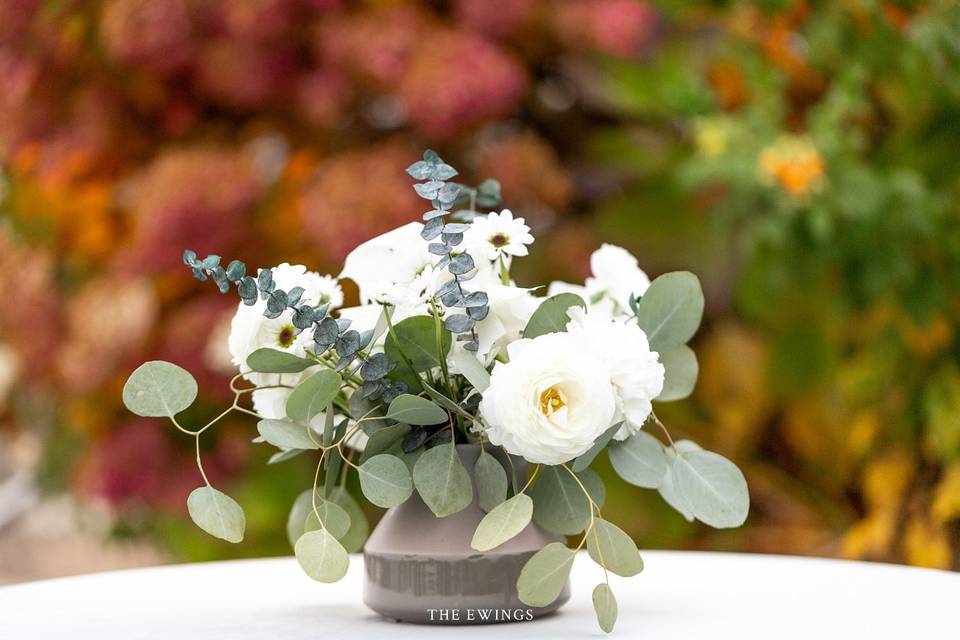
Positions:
{"x": 679, "y": 595}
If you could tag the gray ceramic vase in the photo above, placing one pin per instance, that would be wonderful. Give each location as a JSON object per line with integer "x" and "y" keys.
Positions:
{"x": 420, "y": 568}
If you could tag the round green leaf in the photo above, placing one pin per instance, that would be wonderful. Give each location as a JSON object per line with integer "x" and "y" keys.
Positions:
{"x": 159, "y": 389}
{"x": 713, "y": 487}
{"x": 668, "y": 491}
{"x": 217, "y": 513}
{"x": 559, "y": 505}
{"x": 284, "y": 434}
{"x": 334, "y": 518}
{"x": 605, "y": 606}
{"x": 639, "y": 460}
{"x": 385, "y": 480}
{"x": 504, "y": 522}
{"x": 671, "y": 309}
{"x": 416, "y": 338}
{"x": 266, "y": 360}
{"x": 491, "y": 481}
{"x": 680, "y": 373}
{"x": 584, "y": 460}
{"x": 415, "y": 410}
{"x": 311, "y": 396}
{"x": 302, "y": 518}
{"x": 544, "y": 575}
{"x": 610, "y": 547}
{"x": 296, "y": 521}
{"x": 551, "y": 316}
{"x": 442, "y": 480}
{"x": 356, "y": 536}
{"x": 383, "y": 439}
{"x": 321, "y": 557}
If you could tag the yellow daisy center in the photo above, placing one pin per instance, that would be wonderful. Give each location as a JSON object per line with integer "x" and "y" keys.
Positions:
{"x": 286, "y": 336}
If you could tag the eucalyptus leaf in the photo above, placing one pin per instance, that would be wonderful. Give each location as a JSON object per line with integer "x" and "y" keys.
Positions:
{"x": 669, "y": 493}
{"x": 311, "y": 396}
{"x": 713, "y": 487}
{"x": 551, "y": 316}
{"x": 356, "y": 536}
{"x": 560, "y": 505}
{"x": 584, "y": 460}
{"x": 385, "y": 480}
{"x": 680, "y": 373}
{"x": 545, "y": 574}
{"x": 334, "y": 518}
{"x": 302, "y": 518}
{"x": 671, "y": 309}
{"x": 383, "y": 439}
{"x": 472, "y": 369}
{"x": 605, "y": 606}
{"x": 216, "y": 513}
{"x": 504, "y": 522}
{"x": 640, "y": 460}
{"x": 266, "y": 360}
{"x": 321, "y": 556}
{"x": 491, "y": 479}
{"x": 159, "y": 389}
{"x": 283, "y": 456}
{"x": 416, "y": 338}
{"x": 415, "y": 410}
{"x": 610, "y": 547}
{"x": 442, "y": 480}
{"x": 284, "y": 434}
{"x": 446, "y": 402}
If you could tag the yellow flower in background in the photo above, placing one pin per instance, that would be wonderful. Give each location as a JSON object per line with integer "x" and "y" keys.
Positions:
{"x": 794, "y": 163}
{"x": 711, "y": 136}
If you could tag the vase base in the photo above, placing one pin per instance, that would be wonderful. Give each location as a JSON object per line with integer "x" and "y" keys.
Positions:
{"x": 450, "y": 589}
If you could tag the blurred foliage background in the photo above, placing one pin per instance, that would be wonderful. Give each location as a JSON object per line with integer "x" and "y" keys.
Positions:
{"x": 799, "y": 156}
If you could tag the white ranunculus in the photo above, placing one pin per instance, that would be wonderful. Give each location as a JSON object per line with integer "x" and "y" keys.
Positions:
{"x": 550, "y": 402}
{"x": 382, "y": 264}
{"x": 616, "y": 275}
{"x": 598, "y": 303}
{"x": 251, "y": 330}
{"x": 510, "y": 310}
{"x": 633, "y": 369}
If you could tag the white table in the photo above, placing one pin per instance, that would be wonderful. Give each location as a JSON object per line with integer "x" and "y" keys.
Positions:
{"x": 679, "y": 595}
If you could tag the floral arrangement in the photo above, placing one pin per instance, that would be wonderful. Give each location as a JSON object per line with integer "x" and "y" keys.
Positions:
{"x": 445, "y": 349}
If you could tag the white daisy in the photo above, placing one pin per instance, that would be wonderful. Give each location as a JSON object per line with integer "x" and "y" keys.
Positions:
{"x": 497, "y": 235}
{"x": 250, "y": 329}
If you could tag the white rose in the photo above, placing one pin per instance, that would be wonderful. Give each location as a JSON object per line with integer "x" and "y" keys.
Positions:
{"x": 393, "y": 259}
{"x": 634, "y": 371}
{"x": 251, "y": 330}
{"x": 550, "y": 402}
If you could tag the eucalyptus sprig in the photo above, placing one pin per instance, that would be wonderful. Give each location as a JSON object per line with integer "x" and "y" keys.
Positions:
{"x": 328, "y": 332}
{"x": 434, "y": 173}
